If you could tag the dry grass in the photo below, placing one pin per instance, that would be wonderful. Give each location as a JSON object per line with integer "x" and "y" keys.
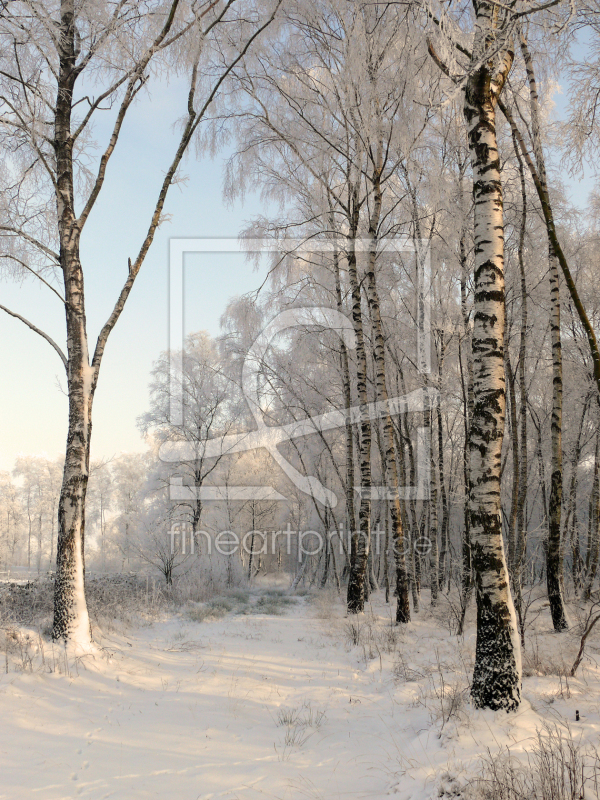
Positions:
{"x": 536, "y": 661}
{"x": 557, "y": 767}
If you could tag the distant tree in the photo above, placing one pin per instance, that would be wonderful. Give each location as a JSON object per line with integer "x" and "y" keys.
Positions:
{"x": 39, "y": 489}
{"x": 161, "y": 540}
{"x": 129, "y": 472}
{"x": 100, "y": 502}
{"x": 10, "y": 519}
{"x": 208, "y": 397}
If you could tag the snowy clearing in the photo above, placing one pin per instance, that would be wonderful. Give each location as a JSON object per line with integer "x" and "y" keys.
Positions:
{"x": 300, "y": 703}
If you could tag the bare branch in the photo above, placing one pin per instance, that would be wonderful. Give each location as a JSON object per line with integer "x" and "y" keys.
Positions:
{"x": 136, "y": 82}
{"x": 194, "y": 119}
{"x": 45, "y": 336}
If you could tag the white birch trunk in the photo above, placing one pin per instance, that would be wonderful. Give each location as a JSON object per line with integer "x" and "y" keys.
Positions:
{"x": 71, "y": 620}
{"x": 497, "y": 673}
{"x": 389, "y": 465}
{"x": 360, "y": 540}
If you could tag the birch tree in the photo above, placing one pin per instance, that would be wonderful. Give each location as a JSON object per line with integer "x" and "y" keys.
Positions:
{"x": 52, "y": 52}
{"x": 208, "y": 398}
{"x": 497, "y": 673}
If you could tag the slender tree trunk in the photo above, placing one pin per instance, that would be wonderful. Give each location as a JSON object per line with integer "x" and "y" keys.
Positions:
{"x": 404, "y": 435}
{"x": 443, "y": 496}
{"x": 29, "y": 528}
{"x": 71, "y": 620}
{"x": 390, "y": 467}
{"x": 410, "y": 530}
{"x": 252, "y": 536}
{"x": 593, "y": 550}
{"x": 554, "y": 566}
{"x": 386, "y": 523}
{"x": 350, "y": 511}
{"x": 514, "y": 439}
{"x": 373, "y": 583}
{"x": 468, "y": 403}
{"x": 299, "y": 575}
{"x": 52, "y": 528}
{"x": 497, "y": 674}
{"x": 521, "y": 531}
{"x": 539, "y": 454}
{"x": 575, "y": 543}
{"x": 197, "y": 505}
{"x": 590, "y": 519}
{"x": 335, "y": 569}
{"x": 432, "y": 504}
{"x": 554, "y": 561}
{"x": 572, "y": 521}
{"x": 386, "y": 556}
{"x": 39, "y": 544}
{"x": 325, "y": 575}
{"x": 360, "y": 540}
{"x": 250, "y": 558}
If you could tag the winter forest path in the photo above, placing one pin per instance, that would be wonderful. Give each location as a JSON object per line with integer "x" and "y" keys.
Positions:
{"x": 201, "y": 711}
{"x": 255, "y": 707}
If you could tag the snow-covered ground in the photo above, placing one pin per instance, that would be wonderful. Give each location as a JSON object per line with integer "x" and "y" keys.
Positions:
{"x": 306, "y": 704}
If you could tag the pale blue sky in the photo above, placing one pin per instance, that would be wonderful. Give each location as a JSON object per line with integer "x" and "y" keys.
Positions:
{"x": 34, "y": 410}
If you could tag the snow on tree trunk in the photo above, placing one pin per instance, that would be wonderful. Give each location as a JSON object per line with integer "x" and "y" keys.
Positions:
{"x": 468, "y": 403}
{"x": 360, "y": 540}
{"x": 71, "y": 620}
{"x": 347, "y": 394}
{"x": 497, "y": 673}
{"x": 390, "y": 467}
{"x": 554, "y": 568}
{"x": 593, "y": 543}
{"x": 514, "y": 445}
{"x": 432, "y": 506}
{"x": 444, "y": 529}
{"x": 521, "y": 523}
{"x": 389, "y": 464}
